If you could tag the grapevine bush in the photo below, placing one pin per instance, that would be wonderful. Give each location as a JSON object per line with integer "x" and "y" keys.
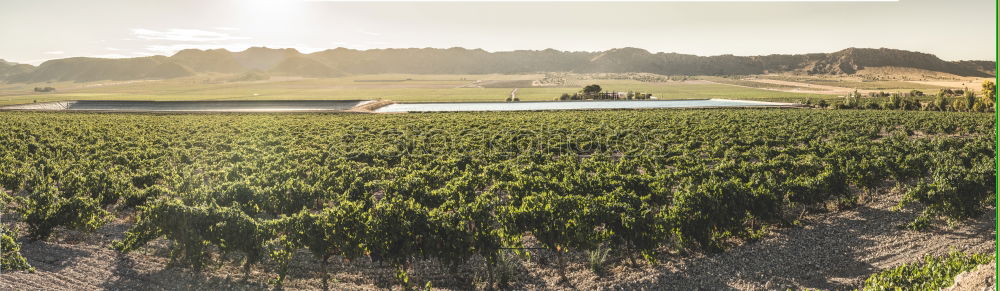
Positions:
{"x": 931, "y": 273}
{"x": 10, "y": 253}
{"x": 450, "y": 187}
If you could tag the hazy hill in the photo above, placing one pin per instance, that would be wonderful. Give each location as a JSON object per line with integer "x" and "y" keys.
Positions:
{"x": 304, "y": 66}
{"x": 262, "y": 59}
{"x": 341, "y": 61}
{"x": 850, "y": 60}
{"x": 981, "y": 66}
{"x": 10, "y": 69}
{"x": 95, "y": 69}
{"x": 217, "y": 60}
{"x": 168, "y": 70}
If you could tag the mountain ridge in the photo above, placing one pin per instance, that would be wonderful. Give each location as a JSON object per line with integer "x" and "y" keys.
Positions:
{"x": 456, "y": 60}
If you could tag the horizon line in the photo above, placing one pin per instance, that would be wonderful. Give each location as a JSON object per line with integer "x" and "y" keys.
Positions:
{"x": 39, "y": 62}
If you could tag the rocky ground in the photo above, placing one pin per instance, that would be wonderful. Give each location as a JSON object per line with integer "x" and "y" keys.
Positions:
{"x": 828, "y": 251}
{"x": 982, "y": 278}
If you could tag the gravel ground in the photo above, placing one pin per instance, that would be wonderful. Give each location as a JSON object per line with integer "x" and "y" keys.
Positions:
{"x": 834, "y": 251}
{"x": 982, "y": 278}
{"x": 830, "y": 251}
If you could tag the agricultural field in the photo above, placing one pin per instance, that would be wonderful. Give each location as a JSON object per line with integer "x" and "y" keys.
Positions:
{"x": 746, "y": 82}
{"x": 467, "y": 146}
{"x": 856, "y": 83}
{"x": 705, "y": 90}
{"x": 467, "y": 88}
{"x": 627, "y": 199}
{"x": 399, "y": 88}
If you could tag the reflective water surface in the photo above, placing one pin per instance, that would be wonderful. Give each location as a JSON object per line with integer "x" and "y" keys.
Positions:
{"x": 570, "y": 105}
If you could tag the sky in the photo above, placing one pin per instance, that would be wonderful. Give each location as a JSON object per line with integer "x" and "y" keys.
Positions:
{"x": 32, "y": 31}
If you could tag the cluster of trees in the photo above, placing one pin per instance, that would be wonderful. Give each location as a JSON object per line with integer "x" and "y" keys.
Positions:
{"x": 44, "y": 89}
{"x": 945, "y": 100}
{"x": 883, "y": 94}
{"x": 880, "y": 100}
{"x": 595, "y": 92}
{"x": 256, "y": 189}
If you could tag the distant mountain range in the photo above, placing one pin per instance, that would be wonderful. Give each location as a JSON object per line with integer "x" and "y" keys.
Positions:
{"x": 341, "y": 61}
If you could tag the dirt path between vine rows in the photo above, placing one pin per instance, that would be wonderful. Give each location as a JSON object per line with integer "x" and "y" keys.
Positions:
{"x": 831, "y": 251}
{"x": 835, "y": 251}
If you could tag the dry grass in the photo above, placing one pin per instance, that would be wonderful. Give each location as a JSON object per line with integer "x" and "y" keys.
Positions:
{"x": 464, "y": 88}
{"x": 396, "y": 87}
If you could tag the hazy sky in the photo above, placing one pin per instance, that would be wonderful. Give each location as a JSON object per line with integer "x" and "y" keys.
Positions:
{"x": 36, "y": 30}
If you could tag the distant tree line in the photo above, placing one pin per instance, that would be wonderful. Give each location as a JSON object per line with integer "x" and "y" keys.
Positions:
{"x": 44, "y": 89}
{"x": 595, "y": 92}
{"x": 959, "y": 100}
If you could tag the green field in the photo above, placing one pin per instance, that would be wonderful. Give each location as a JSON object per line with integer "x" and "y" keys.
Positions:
{"x": 441, "y": 88}
{"x": 269, "y": 190}
{"x": 400, "y": 88}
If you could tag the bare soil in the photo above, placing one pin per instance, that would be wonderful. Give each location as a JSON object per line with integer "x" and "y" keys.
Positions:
{"x": 982, "y": 278}
{"x": 813, "y": 88}
{"x": 907, "y": 74}
{"x": 972, "y": 84}
{"x": 828, "y": 251}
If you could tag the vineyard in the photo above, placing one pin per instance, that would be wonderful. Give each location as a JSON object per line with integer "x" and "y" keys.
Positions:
{"x": 253, "y": 190}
